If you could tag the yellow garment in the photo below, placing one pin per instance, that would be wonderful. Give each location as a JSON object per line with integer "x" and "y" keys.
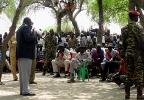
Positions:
{"x": 12, "y": 48}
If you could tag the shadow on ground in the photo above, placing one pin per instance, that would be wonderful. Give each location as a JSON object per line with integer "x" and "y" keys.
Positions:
{"x": 49, "y": 88}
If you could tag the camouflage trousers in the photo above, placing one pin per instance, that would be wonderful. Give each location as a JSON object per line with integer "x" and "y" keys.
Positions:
{"x": 1, "y": 70}
{"x": 49, "y": 56}
{"x": 134, "y": 74}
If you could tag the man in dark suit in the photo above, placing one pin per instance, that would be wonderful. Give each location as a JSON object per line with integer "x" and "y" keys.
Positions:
{"x": 25, "y": 51}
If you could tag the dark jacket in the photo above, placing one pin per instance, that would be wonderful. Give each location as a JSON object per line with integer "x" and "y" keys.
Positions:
{"x": 26, "y": 41}
{"x": 98, "y": 56}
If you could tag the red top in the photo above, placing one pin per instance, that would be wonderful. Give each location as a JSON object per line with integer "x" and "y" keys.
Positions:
{"x": 123, "y": 67}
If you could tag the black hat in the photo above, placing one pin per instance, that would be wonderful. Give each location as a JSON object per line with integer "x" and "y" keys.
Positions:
{"x": 27, "y": 21}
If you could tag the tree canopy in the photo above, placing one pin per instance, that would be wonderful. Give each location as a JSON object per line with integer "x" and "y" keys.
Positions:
{"x": 113, "y": 9}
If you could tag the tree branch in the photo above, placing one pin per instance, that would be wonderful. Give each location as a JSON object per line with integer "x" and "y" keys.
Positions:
{"x": 80, "y": 9}
{"x": 12, "y": 30}
{"x": 14, "y": 23}
{"x": 50, "y": 5}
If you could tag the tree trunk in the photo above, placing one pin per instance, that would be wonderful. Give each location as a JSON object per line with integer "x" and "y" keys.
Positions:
{"x": 12, "y": 31}
{"x": 59, "y": 24}
{"x": 59, "y": 16}
{"x": 75, "y": 25}
{"x": 101, "y": 21}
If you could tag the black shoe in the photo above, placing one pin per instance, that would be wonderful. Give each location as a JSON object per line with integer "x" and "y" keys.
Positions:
{"x": 15, "y": 79}
{"x": 1, "y": 83}
{"x": 56, "y": 76}
{"x": 140, "y": 97}
{"x": 127, "y": 97}
{"x": 33, "y": 82}
{"x": 28, "y": 94}
{"x": 51, "y": 73}
{"x": 102, "y": 80}
{"x": 43, "y": 73}
{"x": 71, "y": 81}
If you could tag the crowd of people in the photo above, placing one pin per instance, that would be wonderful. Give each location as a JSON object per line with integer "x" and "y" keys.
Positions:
{"x": 51, "y": 52}
{"x": 66, "y": 52}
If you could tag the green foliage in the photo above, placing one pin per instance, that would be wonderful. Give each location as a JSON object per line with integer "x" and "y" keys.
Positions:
{"x": 10, "y": 9}
{"x": 3, "y": 4}
{"x": 50, "y": 27}
{"x": 12, "y": 6}
{"x": 66, "y": 27}
{"x": 113, "y": 9}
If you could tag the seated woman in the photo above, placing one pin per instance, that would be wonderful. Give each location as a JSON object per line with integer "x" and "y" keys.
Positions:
{"x": 81, "y": 56}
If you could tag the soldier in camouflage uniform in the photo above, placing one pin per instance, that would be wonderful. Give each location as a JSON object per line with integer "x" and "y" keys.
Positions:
{"x": 130, "y": 34}
{"x": 72, "y": 41}
{"x": 50, "y": 51}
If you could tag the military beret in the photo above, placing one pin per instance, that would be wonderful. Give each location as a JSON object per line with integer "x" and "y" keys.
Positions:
{"x": 134, "y": 12}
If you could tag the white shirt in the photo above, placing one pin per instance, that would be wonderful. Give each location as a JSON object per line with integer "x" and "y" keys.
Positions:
{"x": 103, "y": 39}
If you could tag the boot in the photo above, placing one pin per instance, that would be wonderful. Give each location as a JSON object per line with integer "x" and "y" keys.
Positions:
{"x": 43, "y": 73}
{"x": 44, "y": 70}
{"x": 127, "y": 92}
{"x": 57, "y": 75}
{"x": 50, "y": 68}
{"x": 71, "y": 81}
{"x": 139, "y": 93}
{"x": 140, "y": 97}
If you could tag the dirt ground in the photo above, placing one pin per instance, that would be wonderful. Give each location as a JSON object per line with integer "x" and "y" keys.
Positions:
{"x": 49, "y": 88}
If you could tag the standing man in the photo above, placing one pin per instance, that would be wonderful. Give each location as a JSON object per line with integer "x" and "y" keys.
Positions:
{"x": 130, "y": 52}
{"x": 72, "y": 42}
{"x": 33, "y": 68}
{"x": 12, "y": 48}
{"x": 1, "y": 66}
{"x": 25, "y": 50}
{"x": 50, "y": 51}
{"x": 34, "y": 62}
